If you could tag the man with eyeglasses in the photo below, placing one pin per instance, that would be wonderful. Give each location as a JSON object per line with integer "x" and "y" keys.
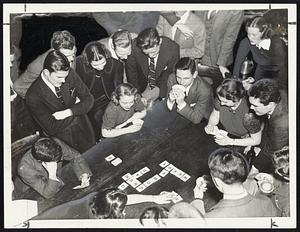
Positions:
{"x": 39, "y": 167}
{"x": 267, "y": 100}
{"x": 61, "y": 41}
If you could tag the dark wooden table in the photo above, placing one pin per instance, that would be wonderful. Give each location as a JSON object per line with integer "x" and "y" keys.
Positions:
{"x": 164, "y": 136}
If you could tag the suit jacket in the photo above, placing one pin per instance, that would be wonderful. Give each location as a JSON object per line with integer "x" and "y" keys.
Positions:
{"x": 275, "y": 134}
{"x": 34, "y": 175}
{"x": 199, "y": 102}
{"x": 77, "y": 209}
{"x": 75, "y": 130}
{"x": 33, "y": 70}
{"x": 189, "y": 47}
{"x": 137, "y": 66}
{"x": 224, "y": 34}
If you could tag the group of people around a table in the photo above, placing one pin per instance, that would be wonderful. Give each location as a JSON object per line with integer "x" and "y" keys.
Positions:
{"x": 183, "y": 64}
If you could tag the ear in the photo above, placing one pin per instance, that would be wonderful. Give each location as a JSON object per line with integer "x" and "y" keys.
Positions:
{"x": 46, "y": 72}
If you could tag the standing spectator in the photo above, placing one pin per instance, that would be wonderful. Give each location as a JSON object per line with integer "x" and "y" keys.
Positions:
{"x": 102, "y": 75}
{"x": 266, "y": 99}
{"x": 59, "y": 102}
{"x": 61, "y": 41}
{"x": 151, "y": 62}
{"x": 268, "y": 51}
{"x": 190, "y": 46}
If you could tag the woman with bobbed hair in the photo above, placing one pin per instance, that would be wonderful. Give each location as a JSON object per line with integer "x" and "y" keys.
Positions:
{"x": 231, "y": 110}
{"x": 124, "y": 113}
{"x": 268, "y": 51}
{"x": 101, "y": 74}
{"x": 105, "y": 204}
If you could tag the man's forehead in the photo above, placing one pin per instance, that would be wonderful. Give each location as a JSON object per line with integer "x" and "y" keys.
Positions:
{"x": 60, "y": 74}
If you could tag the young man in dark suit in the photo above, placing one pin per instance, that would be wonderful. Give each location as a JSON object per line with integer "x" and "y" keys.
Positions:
{"x": 188, "y": 93}
{"x": 151, "y": 62}
{"x": 59, "y": 102}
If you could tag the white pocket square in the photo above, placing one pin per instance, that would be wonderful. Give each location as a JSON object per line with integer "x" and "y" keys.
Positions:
{"x": 192, "y": 105}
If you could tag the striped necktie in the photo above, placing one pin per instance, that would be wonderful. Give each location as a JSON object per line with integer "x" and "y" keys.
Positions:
{"x": 59, "y": 95}
{"x": 151, "y": 74}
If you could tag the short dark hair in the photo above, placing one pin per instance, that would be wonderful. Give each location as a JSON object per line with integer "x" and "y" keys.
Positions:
{"x": 266, "y": 90}
{"x": 109, "y": 203}
{"x": 124, "y": 89}
{"x": 46, "y": 150}
{"x": 262, "y": 25}
{"x": 148, "y": 38}
{"x": 93, "y": 51}
{"x": 62, "y": 39}
{"x": 154, "y": 212}
{"x": 186, "y": 63}
{"x": 56, "y": 61}
{"x": 228, "y": 165}
{"x": 121, "y": 38}
{"x": 231, "y": 89}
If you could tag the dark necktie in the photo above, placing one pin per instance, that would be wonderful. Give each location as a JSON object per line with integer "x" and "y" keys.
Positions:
{"x": 151, "y": 74}
{"x": 59, "y": 95}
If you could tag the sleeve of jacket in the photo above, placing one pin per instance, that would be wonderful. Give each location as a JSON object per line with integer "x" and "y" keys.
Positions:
{"x": 131, "y": 68}
{"x": 202, "y": 107}
{"x": 42, "y": 184}
{"x": 43, "y": 115}
{"x": 80, "y": 166}
{"x": 83, "y": 93}
{"x": 230, "y": 36}
{"x": 241, "y": 55}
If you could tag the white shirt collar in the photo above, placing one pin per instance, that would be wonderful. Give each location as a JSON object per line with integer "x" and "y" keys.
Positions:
{"x": 264, "y": 44}
{"x": 48, "y": 83}
{"x": 209, "y": 13}
{"x": 155, "y": 60}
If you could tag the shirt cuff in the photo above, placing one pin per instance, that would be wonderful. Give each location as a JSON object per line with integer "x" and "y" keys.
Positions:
{"x": 181, "y": 106}
{"x": 170, "y": 104}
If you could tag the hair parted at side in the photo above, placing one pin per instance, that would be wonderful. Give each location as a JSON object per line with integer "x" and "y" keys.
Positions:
{"x": 228, "y": 165}
{"x": 94, "y": 51}
{"x": 121, "y": 38}
{"x": 46, "y": 150}
{"x": 266, "y": 90}
{"x": 109, "y": 204}
{"x": 56, "y": 61}
{"x": 263, "y": 26}
{"x": 154, "y": 212}
{"x": 231, "y": 89}
{"x": 124, "y": 89}
{"x": 186, "y": 63}
{"x": 62, "y": 39}
{"x": 148, "y": 38}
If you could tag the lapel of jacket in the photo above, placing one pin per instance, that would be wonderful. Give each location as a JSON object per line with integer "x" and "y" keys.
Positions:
{"x": 144, "y": 62}
{"x": 162, "y": 58}
{"x": 193, "y": 90}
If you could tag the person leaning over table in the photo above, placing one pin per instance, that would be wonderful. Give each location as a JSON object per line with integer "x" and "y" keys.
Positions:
{"x": 104, "y": 204}
{"x": 124, "y": 113}
{"x": 38, "y": 167}
{"x": 61, "y": 41}
{"x": 102, "y": 75}
{"x": 229, "y": 169}
{"x": 188, "y": 94}
{"x": 231, "y": 110}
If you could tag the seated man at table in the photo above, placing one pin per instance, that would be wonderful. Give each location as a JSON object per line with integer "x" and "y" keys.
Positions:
{"x": 266, "y": 99}
{"x": 38, "y": 167}
{"x": 229, "y": 169}
{"x": 151, "y": 62}
{"x": 59, "y": 102}
{"x": 188, "y": 93}
{"x": 61, "y": 41}
{"x": 105, "y": 204}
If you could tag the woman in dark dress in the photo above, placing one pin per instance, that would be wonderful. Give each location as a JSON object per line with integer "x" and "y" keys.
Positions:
{"x": 268, "y": 51}
{"x": 101, "y": 74}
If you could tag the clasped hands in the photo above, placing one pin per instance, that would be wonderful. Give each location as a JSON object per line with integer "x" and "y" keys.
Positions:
{"x": 221, "y": 136}
{"x": 177, "y": 94}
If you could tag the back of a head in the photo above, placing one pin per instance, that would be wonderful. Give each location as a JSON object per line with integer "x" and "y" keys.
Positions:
{"x": 231, "y": 89}
{"x": 147, "y": 38}
{"x": 228, "y": 165}
{"x": 56, "y": 61}
{"x": 154, "y": 212}
{"x": 109, "y": 204}
{"x": 62, "y": 39}
{"x": 121, "y": 38}
{"x": 264, "y": 27}
{"x": 266, "y": 90}
{"x": 184, "y": 210}
{"x": 186, "y": 63}
{"x": 94, "y": 51}
{"x": 46, "y": 150}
